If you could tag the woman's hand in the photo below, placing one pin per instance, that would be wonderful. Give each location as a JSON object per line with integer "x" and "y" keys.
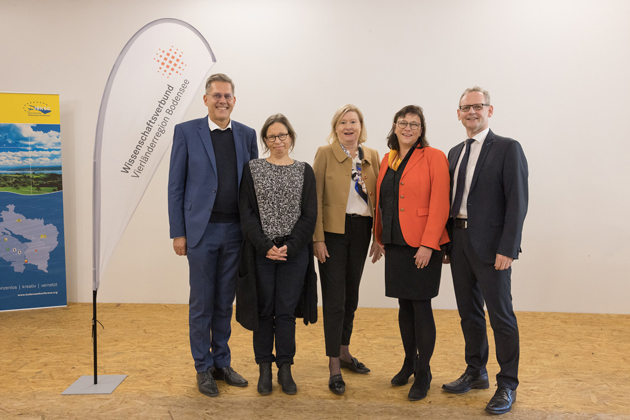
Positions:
{"x": 278, "y": 254}
{"x": 376, "y": 251}
{"x": 423, "y": 256}
{"x": 320, "y": 251}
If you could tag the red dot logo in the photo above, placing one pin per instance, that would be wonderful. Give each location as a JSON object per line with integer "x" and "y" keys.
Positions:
{"x": 170, "y": 61}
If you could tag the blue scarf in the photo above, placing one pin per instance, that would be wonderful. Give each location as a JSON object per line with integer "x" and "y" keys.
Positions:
{"x": 359, "y": 185}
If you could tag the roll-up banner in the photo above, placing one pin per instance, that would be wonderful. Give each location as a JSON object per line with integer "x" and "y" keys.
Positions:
{"x": 152, "y": 84}
{"x": 32, "y": 251}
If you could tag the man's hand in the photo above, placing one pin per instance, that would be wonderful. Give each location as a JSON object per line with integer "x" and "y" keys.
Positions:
{"x": 179, "y": 245}
{"x": 320, "y": 251}
{"x": 502, "y": 262}
{"x": 278, "y": 254}
{"x": 423, "y": 256}
{"x": 376, "y": 252}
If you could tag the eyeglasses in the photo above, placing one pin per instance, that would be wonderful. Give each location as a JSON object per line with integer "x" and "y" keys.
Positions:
{"x": 218, "y": 96}
{"x": 281, "y": 137}
{"x": 403, "y": 124}
{"x": 476, "y": 107}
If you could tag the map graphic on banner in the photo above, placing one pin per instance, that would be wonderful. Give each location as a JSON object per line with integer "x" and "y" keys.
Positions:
{"x": 32, "y": 252}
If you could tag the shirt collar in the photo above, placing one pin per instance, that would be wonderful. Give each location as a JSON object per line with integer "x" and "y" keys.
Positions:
{"x": 213, "y": 126}
{"x": 480, "y": 137}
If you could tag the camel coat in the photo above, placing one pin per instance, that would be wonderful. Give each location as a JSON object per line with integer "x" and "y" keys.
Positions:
{"x": 333, "y": 169}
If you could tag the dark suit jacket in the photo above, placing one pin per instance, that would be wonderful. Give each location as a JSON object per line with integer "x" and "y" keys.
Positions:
{"x": 192, "y": 183}
{"x": 497, "y": 201}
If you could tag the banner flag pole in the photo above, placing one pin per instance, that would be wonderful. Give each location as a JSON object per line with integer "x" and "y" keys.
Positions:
{"x": 150, "y": 88}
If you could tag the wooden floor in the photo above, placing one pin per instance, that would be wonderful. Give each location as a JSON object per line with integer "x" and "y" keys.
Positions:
{"x": 573, "y": 366}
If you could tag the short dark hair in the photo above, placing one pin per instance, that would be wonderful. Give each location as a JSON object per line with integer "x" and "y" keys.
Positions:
{"x": 276, "y": 118}
{"x": 219, "y": 77}
{"x": 392, "y": 138}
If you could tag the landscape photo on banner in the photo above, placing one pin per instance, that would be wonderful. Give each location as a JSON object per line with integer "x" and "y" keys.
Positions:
{"x": 32, "y": 251}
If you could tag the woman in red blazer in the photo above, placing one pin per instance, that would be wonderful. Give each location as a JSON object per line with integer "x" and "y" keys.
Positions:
{"x": 412, "y": 195}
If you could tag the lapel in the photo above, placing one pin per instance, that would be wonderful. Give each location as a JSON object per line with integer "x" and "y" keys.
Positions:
{"x": 338, "y": 152}
{"x": 366, "y": 158}
{"x": 415, "y": 157}
{"x": 204, "y": 134}
{"x": 239, "y": 146}
{"x": 485, "y": 149}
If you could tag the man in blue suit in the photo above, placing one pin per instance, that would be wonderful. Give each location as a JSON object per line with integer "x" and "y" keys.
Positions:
{"x": 207, "y": 162}
{"x": 488, "y": 206}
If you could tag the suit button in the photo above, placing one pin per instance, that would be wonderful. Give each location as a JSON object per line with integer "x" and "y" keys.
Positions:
{"x": 370, "y": 192}
{"x": 402, "y": 209}
{"x": 402, "y": 196}
{"x": 402, "y": 183}
{"x": 214, "y": 191}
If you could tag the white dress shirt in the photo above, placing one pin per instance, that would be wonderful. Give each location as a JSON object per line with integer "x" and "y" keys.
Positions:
{"x": 213, "y": 126}
{"x": 475, "y": 149}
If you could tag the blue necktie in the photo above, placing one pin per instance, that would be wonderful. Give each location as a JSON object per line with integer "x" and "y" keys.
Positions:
{"x": 461, "y": 181}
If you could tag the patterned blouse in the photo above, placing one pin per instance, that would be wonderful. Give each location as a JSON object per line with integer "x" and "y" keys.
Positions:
{"x": 279, "y": 195}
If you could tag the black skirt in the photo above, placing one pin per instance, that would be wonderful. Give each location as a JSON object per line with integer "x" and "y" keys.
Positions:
{"x": 404, "y": 280}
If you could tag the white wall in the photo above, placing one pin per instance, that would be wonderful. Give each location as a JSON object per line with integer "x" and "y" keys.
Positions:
{"x": 557, "y": 71}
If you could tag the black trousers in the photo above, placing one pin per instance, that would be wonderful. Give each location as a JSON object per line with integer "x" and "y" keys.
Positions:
{"x": 475, "y": 282}
{"x": 417, "y": 330}
{"x": 340, "y": 276}
{"x": 279, "y": 286}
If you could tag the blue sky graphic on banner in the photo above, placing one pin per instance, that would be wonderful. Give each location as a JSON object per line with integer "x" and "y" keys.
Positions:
{"x": 29, "y": 146}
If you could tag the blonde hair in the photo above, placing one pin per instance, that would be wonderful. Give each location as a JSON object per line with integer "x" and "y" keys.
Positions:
{"x": 332, "y": 137}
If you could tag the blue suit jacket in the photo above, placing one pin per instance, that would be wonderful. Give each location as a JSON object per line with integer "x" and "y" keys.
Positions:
{"x": 497, "y": 201}
{"x": 192, "y": 183}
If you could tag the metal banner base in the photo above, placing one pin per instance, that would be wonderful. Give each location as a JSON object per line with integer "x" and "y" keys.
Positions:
{"x": 85, "y": 385}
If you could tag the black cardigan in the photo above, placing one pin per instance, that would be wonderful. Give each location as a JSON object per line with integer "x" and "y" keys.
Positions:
{"x": 257, "y": 243}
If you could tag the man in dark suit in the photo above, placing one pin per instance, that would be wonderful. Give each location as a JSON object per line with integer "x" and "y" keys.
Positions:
{"x": 488, "y": 206}
{"x": 207, "y": 162}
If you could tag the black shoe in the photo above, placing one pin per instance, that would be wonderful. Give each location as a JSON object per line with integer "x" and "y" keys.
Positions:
{"x": 408, "y": 369}
{"x": 228, "y": 375}
{"x": 354, "y": 365}
{"x": 502, "y": 401}
{"x": 467, "y": 382}
{"x": 264, "y": 380}
{"x": 286, "y": 380}
{"x": 207, "y": 385}
{"x": 420, "y": 386}
{"x": 337, "y": 385}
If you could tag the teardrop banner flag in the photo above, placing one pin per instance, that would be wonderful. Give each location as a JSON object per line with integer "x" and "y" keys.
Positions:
{"x": 152, "y": 84}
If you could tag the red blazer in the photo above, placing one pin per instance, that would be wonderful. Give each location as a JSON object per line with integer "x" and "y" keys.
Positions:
{"x": 423, "y": 202}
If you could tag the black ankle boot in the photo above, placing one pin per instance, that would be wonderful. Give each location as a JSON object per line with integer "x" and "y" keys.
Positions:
{"x": 421, "y": 385}
{"x": 286, "y": 380}
{"x": 402, "y": 377}
{"x": 264, "y": 380}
